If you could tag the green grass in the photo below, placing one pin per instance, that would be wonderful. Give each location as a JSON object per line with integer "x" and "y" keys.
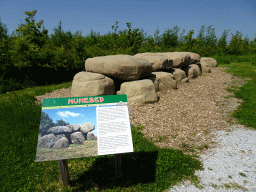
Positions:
{"x": 148, "y": 168}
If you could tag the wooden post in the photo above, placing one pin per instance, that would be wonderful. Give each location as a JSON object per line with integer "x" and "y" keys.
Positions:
{"x": 118, "y": 165}
{"x": 63, "y": 169}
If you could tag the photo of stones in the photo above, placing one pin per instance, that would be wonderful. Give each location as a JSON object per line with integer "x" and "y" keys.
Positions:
{"x": 67, "y": 133}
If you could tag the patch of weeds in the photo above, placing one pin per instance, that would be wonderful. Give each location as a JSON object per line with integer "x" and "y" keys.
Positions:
{"x": 227, "y": 186}
{"x": 214, "y": 186}
{"x": 242, "y": 174}
{"x": 233, "y": 185}
{"x": 160, "y": 139}
{"x": 187, "y": 147}
{"x": 206, "y": 131}
{"x": 201, "y": 147}
{"x": 230, "y": 177}
{"x": 210, "y": 168}
{"x": 174, "y": 136}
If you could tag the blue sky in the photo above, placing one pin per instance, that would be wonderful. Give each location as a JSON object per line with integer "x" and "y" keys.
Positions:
{"x": 100, "y": 15}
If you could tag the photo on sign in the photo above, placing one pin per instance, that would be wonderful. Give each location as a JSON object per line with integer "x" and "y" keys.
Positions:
{"x": 67, "y": 133}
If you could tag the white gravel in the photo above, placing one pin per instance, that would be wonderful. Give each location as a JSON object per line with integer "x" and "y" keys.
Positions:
{"x": 236, "y": 155}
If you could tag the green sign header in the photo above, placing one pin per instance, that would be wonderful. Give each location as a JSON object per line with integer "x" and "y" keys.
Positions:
{"x": 66, "y": 102}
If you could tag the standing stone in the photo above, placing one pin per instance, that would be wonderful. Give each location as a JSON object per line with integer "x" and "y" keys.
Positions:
{"x": 140, "y": 91}
{"x": 193, "y": 71}
{"x": 210, "y": 61}
{"x": 61, "y": 144}
{"x": 77, "y": 138}
{"x": 91, "y": 136}
{"x": 91, "y": 84}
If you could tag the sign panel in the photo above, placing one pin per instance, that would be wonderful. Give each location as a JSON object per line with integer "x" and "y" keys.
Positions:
{"x": 75, "y": 127}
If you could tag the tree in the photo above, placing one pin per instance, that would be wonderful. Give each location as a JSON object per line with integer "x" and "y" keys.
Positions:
{"x": 31, "y": 31}
{"x": 234, "y": 47}
{"x": 3, "y": 31}
{"x": 200, "y": 36}
{"x": 157, "y": 37}
{"x": 45, "y": 124}
{"x": 170, "y": 37}
{"x": 210, "y": 39}
{"x": 60, "y": 38}
{"x": 61, "y": 123}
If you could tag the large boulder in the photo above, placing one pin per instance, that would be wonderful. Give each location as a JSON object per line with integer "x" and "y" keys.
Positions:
{"x": 91, "y": 84}
{"x": 60, "y": 129}
{"x": 195, "y": 58}
{"x": 77, "y": 138}
{"x": 74, "y": 127}
{"x": 48, "y": 141}
{"x": 179, "y": 75}
{"x": 205, "y": 68}
{"x": 62, "y": 143}
{"x": 164, "y": 81}
{"x": 193, "y": 71}
{"x": 124, "y": 67}
{"x": 157, "y": 61}
{"x": 140, "y": 91}
{"x": 211, "y": 62}
{"x": 86, "y": 127}
{"x": 91, "y": 136}
{"x": 179, "y": 59}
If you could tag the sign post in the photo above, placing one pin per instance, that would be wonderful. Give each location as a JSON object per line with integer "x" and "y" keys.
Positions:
{"x": 63, "y": 169}
{"x": 118, "y": 165}
{"x": 91, "y": 126}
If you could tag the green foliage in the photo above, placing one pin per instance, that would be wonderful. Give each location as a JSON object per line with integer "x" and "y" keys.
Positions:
{"x": 32, "y": 50}
{"x": 170, "y": 38}
{"x": 31, "y": 31}
{"x": 46, "y": 123}
{"x": 234, "y": 47}
{"x": 3, "y": 31}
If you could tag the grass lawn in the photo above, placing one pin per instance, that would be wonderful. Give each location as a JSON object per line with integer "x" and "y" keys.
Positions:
{"x": 148, "y": 168}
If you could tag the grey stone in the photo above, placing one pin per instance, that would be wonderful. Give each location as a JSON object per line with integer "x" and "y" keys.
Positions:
{"x": 47, "y": 141}
{"x": 91, "y": 84}
{"x": 77, "y": 138}
{"x": 211, "y": 62}
{"x": 139, "y": 91}
{"x": 86, "y": 127}
{"x": 91, "y": 136}
{"x": 158, "y": 62}
{"x": 124, "y": 67}
{"x": 62, "y": 143}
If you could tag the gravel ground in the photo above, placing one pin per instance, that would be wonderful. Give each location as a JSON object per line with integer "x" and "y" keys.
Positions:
{"x": 233, "y": 163}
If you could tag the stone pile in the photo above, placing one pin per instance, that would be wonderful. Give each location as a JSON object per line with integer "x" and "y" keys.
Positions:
{"x": 141, "y": 76}
{"x": 60, "y": 137}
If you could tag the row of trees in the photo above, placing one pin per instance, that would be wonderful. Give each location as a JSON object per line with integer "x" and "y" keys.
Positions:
{"x": 30, "y": 53}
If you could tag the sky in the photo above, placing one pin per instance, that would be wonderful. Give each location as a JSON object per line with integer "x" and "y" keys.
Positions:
{"x": 149, "y": 15}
